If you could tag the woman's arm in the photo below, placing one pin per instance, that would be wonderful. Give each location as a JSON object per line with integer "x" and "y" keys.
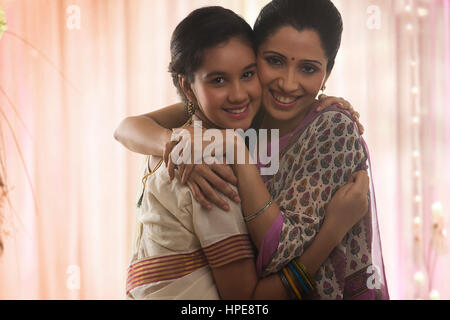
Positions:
{"x": 249, "y": 286}
{"x": 149, "y": 133}
{"x": 255, "y": 196}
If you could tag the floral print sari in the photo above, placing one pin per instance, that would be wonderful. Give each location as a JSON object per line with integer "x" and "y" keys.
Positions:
{"x": 319, "y": 157}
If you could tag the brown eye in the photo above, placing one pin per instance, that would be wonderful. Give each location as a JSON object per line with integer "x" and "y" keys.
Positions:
{"x": 248, "y": 75}
{"x": 219, "y": 80}
{"x": 274, "y": 61}
{"x": 309, "y": 69}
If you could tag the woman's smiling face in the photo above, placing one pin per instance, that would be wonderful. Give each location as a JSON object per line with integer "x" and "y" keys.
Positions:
{"x": 292, "y": 68}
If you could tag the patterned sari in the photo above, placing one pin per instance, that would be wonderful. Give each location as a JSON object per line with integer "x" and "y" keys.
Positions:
{"x": 316, "y": 159}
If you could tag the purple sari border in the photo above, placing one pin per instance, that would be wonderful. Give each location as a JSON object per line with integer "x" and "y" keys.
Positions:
{"x": 269, "y": 245}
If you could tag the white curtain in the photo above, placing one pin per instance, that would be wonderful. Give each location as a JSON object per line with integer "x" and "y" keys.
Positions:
{"x": 71, "y": 70}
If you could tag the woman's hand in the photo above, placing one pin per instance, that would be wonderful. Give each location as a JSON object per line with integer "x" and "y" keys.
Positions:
{"x": 204, "y": 180}
{"x": 349, "y": 204}
{"x": 326, "y": 101}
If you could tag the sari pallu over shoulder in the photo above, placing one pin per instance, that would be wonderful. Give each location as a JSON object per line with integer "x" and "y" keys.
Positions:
{"x": 319, "y": 157}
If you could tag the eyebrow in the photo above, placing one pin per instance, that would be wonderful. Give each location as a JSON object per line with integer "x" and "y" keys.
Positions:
{"x": 221, "y": 73}
{"x": 304, "y": 60}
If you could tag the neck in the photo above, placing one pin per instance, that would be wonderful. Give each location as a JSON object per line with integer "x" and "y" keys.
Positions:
{"x": 286, "y": 126}
{"x": 206, "y": 124}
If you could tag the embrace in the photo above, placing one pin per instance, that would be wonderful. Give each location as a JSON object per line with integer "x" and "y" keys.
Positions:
{"x": 307, "y": 230}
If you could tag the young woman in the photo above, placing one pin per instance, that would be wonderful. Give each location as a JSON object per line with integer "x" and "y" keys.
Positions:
{"x": 183, "y": 251}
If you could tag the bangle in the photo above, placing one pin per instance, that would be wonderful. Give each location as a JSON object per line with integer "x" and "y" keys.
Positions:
{"x": 291, "y": 283}
{"x": 303, "y": 288}
{"x": 286, "y": 285}
{"x": 310, "y": 280}
{"x": 257, "y": 214}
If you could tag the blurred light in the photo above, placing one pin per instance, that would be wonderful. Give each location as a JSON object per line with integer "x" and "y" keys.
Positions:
{"x": 419, "y": 277}
{"x": 417, "y": 221}
{"x": 409, "y": 27}
{"x": 422, "y": 12}
{"x": 415, "y": 91}
{"x": 434, "y": 295}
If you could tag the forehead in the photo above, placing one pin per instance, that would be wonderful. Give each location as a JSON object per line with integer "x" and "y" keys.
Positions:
{"x": 305, "y": 44}
{"x": 234, "y": 54}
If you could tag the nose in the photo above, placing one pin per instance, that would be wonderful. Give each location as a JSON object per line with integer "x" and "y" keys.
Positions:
{"x": 288, "y": 81}
{"x": 237, "y": 93}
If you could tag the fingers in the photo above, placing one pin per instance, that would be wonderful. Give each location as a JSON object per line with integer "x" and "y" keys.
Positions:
{"x": 187, "y": 171}
{"x": 218, "y": 183}
{"x": 361, "y": 181}
{"x": 225, "y": 172}
{"x": 198, "y": 195}
{"x": 167, "y": 150}
{"x": 171, "y": 169}
{"x": 210, "y": 194}
{"x": 325, "y": 102}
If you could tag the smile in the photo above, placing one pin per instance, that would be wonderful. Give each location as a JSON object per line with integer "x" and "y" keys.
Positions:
{"x": 283, "y": 100}
{"x": 238, "y": 112}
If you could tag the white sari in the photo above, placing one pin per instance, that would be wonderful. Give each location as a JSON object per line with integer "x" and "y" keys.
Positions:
{"x": 177, "y": 242}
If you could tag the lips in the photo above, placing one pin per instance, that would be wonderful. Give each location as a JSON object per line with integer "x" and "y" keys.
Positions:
{"x": 284, "y": 101}
{"x": 238, "y": 112}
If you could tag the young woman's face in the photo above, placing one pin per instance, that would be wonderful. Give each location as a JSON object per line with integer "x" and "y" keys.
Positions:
{"x": 226, "y": 86}
{"x": 292, "y": 68}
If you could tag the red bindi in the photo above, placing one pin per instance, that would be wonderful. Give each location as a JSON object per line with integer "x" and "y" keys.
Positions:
{"x": 293, "y": 59}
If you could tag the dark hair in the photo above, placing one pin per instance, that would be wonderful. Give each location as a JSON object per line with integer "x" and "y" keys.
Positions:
{"x": 202, "y": 29}
{"x": 318, "y": 15}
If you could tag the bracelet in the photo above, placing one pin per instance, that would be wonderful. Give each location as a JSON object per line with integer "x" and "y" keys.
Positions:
{"x": 257, "y": 214}
{"x": 310, "y": 280}
{"x": 287, "y": 286}
{"x": 291, "y": 284}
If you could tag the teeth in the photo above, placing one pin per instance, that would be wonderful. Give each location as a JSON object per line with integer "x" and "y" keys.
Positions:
{"x": 237, "y": 111}
{"x": 284, "y": 100}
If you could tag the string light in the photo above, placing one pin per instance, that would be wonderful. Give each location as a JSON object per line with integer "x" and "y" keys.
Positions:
{"x": 422, "y": 12}
{"x": 434, "y": 295}
{"x": 419, "y": 278}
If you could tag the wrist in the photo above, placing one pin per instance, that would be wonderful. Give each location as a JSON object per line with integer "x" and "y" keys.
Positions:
{"x": 333, "y": 231}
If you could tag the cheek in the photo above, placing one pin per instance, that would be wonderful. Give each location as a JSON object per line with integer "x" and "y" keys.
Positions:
{"x": 265, "y": 74}
{"x": 209, "y": 98}
{"x": 311, "y": 84}
{"x": 254, "y": 88}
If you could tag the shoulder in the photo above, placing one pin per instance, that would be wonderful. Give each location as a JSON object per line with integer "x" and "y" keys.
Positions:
{"x": 171, "y": 194}
{"x": 334, "y": 123}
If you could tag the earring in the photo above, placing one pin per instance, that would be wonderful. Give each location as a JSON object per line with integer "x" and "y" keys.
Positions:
{"x": 191, "y": 107}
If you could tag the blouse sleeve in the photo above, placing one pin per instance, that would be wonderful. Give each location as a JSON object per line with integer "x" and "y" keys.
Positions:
{"x": 222, "y": 235}
{"x": 325, "y": 156}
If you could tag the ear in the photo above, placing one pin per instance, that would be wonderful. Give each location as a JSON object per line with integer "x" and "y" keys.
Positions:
{"x": 326, "y": 78}
{"x": 187, "y": 89}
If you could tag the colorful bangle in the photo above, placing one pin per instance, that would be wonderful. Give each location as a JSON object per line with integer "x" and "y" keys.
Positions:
{"x": 300, "y": 279}
{"x": 286, "y": 285}
{"x": 310, "y": 281}
{"x": 291, "y": 283}
{"x": 257, "y": 214}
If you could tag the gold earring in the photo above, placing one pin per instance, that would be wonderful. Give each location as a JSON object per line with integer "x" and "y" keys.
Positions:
{"x": 191, "y": 108}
